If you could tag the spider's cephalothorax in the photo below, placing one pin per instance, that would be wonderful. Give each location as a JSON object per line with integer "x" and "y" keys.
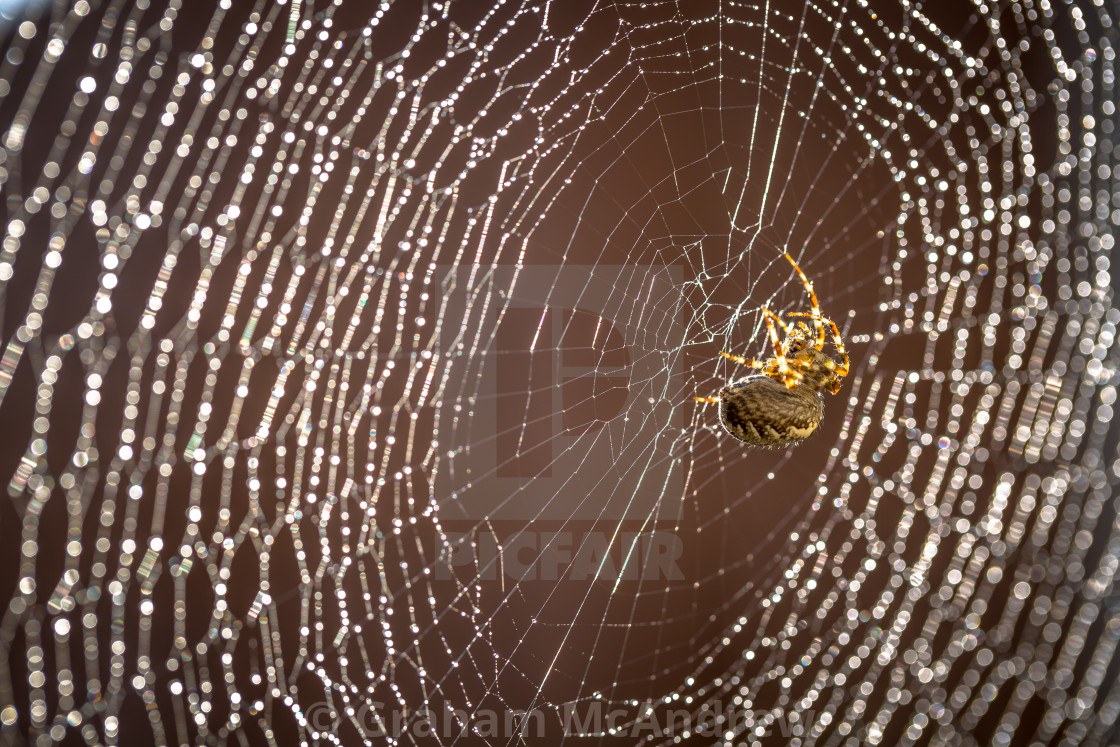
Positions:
{"x": 784, "y": 403}
{"x": 818, "y": 371}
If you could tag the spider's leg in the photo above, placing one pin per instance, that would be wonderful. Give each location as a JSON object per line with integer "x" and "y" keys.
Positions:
{"x": 816, "y": 315}
{"x": 771, "y": 318}
{"x": 744, "y": 361}
{"x": 707, "y": 399}
{"x": 781, "y": 368}
{"x": 839, "y": 343}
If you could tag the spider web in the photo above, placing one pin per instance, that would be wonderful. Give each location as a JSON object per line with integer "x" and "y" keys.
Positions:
{"x": 349, "y": 356}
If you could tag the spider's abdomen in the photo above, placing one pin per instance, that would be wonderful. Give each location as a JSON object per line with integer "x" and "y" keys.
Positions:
{"x": 761, "y": 411}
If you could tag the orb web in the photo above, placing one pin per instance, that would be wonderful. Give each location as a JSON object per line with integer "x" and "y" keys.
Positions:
{"x": 350, "y": 354}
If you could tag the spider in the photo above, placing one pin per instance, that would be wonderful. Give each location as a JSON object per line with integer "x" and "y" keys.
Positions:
{"x": 783, "y": 404}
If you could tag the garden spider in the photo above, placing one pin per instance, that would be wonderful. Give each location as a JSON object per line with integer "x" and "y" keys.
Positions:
{"x": 783, "y": 404}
